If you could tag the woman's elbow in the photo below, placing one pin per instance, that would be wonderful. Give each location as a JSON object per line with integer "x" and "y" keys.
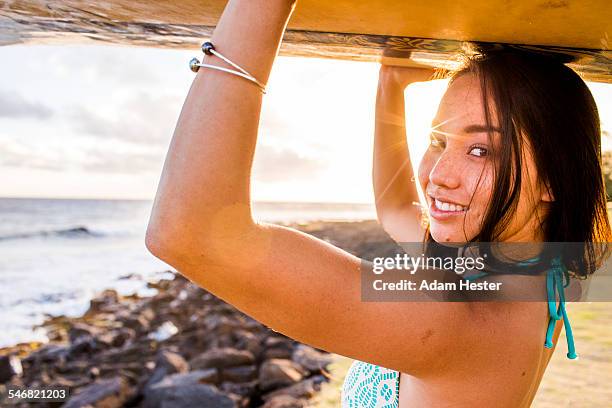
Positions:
{"x": 161, "y": 246}
{"x": 181, "y": 247}
{"x": 167, "y": 242}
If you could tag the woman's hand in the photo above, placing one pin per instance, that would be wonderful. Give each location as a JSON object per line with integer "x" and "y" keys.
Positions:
{"x": 401, "y": 77}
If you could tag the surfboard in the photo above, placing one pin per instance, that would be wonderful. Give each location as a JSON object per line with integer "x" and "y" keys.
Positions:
{"x": 389, "y": 31}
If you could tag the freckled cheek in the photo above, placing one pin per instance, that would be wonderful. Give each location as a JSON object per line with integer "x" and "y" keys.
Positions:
{"x": 480, "y": 192}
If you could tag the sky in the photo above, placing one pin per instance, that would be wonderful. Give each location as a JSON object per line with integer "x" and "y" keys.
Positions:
{"x": 96, "y": 121}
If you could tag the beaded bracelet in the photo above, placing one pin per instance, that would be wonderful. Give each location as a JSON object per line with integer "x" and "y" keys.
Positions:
{"x": 209, "y": 49}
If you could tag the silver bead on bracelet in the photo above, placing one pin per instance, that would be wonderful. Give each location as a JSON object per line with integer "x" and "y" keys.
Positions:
{"x": 209, "y": 49}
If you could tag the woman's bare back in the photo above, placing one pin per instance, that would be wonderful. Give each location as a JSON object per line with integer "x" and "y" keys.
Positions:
{"x": 503, "y": 374}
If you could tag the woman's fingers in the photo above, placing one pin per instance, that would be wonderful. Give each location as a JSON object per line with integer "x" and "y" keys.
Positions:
{"x": 404, "y": 76}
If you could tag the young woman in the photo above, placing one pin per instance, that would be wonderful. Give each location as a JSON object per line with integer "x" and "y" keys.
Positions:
{"x": 539, "y": 120}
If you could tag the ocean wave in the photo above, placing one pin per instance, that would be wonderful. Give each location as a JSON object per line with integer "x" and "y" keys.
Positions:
{"x": 73, "y": 232}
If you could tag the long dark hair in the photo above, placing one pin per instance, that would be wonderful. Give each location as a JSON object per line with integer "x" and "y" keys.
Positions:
{"x": 538, "y": 96}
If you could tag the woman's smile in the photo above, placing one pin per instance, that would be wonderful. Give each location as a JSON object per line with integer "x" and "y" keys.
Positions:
{"x": 442, "y": 210}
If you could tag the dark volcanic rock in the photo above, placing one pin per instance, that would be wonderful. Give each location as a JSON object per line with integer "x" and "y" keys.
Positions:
{"x": 208, "y": 376}
{"x": 304, "y": 389}
{"x": 222, "y": 358}
{"x": 284, "y": 401}
{"x": 106, "y": 298}
{"x": 167, "y": 363}
{"x": 102, "y": 394}
{"x": 9, "y": 367}
{"x": 116, "y": 338}
{"x": 48, "y": 353}
{"x": 310, "y": 359}
{"x": 239, "y": 374}
{"x": 81, "y": 330}
{"x": 245, "y": 340}
{"x": 279, "y": 373}
{"x": 244, "y": 389}
{"x": 83, "y": 344}
{"x": 186, "y": 390}
{"x": 278, "y": 347}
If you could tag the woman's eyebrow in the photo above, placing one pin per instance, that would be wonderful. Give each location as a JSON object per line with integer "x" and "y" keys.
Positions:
{"x": 467, "y": 130}
{"x": 480, "y": 129}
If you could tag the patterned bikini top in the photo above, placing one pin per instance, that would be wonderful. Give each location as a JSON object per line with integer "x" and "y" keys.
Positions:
{"x": 371, "y": 386}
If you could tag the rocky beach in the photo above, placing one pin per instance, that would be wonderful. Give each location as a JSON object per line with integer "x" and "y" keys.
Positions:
{"x": 181, "y": 347}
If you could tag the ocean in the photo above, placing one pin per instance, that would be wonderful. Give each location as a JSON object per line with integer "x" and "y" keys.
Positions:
{"x": 56, "y": 254}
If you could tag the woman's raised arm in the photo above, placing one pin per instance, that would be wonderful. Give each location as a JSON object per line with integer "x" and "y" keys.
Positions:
{"x": 206, "y": 175}
{"x": 392, "y": 175}
{"x": 296, "y": 284}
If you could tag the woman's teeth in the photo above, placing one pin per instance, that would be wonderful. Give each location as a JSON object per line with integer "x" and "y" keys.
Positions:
{"x": 441, "y": 205}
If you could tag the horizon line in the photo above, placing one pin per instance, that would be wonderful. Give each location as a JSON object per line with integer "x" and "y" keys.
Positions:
{"x": 151, "y": 199}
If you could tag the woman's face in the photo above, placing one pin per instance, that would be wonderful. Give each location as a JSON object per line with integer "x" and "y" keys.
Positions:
{"x": 457, "y": 171}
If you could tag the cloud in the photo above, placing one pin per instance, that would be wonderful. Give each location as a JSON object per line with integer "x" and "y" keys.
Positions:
{"x": 121, "y": 66}
{"x": 13, "y": 105}
{"x": 132, "y": 138}
{"x": 17, "y": 154}
{"x": 104, "y": 158}
{"x": 274, "y": 125}
{"x": 273, "y": 165}
{"x": 100, "y": 161}
{"x": 141, "y": 119}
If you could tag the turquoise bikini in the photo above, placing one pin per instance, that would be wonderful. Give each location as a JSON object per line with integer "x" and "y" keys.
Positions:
{"x": 370, "y": 386}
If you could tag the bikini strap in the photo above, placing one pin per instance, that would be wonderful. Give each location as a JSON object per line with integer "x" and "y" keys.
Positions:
{"x": 557, "y": 279}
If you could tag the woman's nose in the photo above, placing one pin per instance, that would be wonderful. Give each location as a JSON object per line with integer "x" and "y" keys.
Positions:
{"x": 446, "y": 172}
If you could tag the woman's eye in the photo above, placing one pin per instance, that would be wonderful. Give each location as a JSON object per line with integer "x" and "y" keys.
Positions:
{"x": 479, "y": 151}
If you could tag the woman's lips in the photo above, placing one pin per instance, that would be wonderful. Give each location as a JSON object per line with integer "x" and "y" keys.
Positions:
{"x": 440, "y": 214}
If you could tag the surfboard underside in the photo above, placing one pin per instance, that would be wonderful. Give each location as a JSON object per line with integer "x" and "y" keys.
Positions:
{"x": 159, "y": 25}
